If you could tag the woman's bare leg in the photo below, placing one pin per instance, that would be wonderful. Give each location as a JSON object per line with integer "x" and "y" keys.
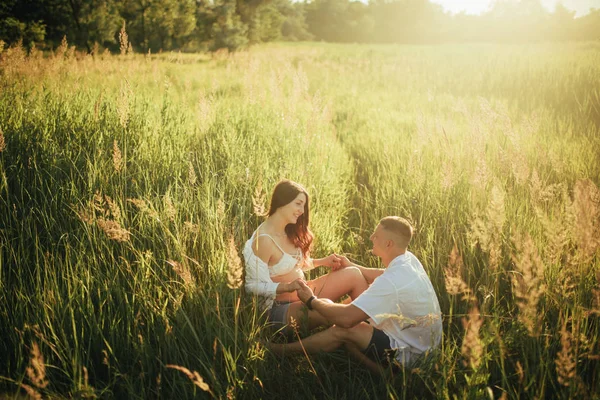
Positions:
{"x": 338, "y": 283}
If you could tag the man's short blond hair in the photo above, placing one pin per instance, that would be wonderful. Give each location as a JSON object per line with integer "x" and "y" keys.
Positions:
{"x": 400, "y": 228}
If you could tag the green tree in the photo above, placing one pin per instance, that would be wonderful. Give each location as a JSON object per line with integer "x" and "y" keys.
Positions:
{"x": 93, "y": 21}
{"x": 228, "y": 30}
{"x": 17, "y": 24}
{"x": 294, "y": 26}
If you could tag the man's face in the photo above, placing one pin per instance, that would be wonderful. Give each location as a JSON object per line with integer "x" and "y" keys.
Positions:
{"x": 379, "y": 240}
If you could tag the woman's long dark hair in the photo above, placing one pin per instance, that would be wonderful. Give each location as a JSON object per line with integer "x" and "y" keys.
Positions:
{"x": 284, "y": 193}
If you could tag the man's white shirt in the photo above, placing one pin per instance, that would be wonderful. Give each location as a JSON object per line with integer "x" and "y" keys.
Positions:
{"x": 402, "y": 303}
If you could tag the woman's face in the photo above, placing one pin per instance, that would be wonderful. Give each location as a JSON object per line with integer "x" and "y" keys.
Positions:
{"x": 294, "y": 209}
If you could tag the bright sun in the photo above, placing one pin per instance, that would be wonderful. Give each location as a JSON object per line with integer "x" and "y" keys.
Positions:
{"x": 581, "y": 7}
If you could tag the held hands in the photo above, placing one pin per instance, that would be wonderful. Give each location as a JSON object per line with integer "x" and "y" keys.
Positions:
{"x": 304, "y": 292}
{"x": 332, "y": 261}
{"x": 294, "y": 285}
{"x": 342, "y": 262}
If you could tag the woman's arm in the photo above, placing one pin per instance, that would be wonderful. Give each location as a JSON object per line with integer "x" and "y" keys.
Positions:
{"x": 258, "y": 279}
{"x": 332, "y": 261}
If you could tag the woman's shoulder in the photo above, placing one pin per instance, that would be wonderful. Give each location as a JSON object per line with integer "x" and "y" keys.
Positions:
{"x": 260, "y": 246}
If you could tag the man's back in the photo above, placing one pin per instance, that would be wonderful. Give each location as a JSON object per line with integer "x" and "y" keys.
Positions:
{"x": 402, "y": 303}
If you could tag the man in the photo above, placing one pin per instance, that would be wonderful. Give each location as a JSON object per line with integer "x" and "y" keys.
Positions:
{"x": 400, "y": 304}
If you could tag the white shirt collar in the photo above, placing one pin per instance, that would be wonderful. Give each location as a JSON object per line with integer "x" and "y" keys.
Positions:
{"x": 399, "y": 259}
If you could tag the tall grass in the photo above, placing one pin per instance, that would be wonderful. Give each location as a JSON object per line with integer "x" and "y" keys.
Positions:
{"x": 128, "y": 182}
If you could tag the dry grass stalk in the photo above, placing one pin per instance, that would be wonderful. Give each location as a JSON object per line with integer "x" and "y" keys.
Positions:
{"x": 193, "y": 376}
{"x": 455, "y": 285}
{"x": 520, "y": 169}
{"x": 585, "y": 210}
{"x": 31, "y": 392}
{"x": 123, "y": 104}
{"x": 472, "y": 348}
{"x": 220, "y": 209}
{"x": 192, "y": 178}
{"x": 95, "y": 50}
{"x": 520, "y": 372}
{"x": 170, "y": 210}
{"x": 190, "y": 228}
{"x": 235, "y": 269}
{"x": 447, "y": 176}
{"x": 113, "y": 207}
{"x": 117, "y": 157}
{"x": 556, "y": 235}
{"x": 528, "y": 283}
{"x": 113, "y": 230}
{"x": 97, "y": 105}
{"x": 487, "y": 230}
{"x": 123, "y": 40}
{"x": 184, "y": 273}
{"x": 2, "y": 142}
{"x": 204, "y": 111}
{"x": 596, "y": 293}
{"x": 105, "y": 213}
{"x": 481, "y": 175}
{"x": 62, "y": 49}
{"x": 36, "y": 371}
{"x": 566, "y": 364}
{"x": 258, "y": 201}
{"x": 143, "y": 207}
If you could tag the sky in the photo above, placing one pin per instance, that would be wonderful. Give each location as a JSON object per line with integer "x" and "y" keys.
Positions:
{"x": 581, "y": 7}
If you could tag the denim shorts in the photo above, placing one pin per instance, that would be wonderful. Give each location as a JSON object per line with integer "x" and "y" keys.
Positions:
{"x": 278, "y": 313}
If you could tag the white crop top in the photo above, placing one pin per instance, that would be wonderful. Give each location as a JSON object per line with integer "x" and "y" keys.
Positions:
{"x": 259, "y": 274}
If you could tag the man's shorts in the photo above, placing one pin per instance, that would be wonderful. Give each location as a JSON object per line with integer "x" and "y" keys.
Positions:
{"x": 379, "y": 349}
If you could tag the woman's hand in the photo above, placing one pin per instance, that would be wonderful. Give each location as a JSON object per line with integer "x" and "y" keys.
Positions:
{"x": 294, "y": 285}
{"x": 332, "y": 261}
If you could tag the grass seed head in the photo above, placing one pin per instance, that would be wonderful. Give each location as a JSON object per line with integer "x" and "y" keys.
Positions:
{"x": 184, "y": 273}
{"x": 117, "y": 157}
{"x": 528, "y": 283}
{"x": 36, "y": 371}
{"x": 193, "y": 376}
{"x": 2, "y": 141}
{"x": 235, "y": 269}
{"x": 123, "y": 40}
{"x": 455, "y": 285}
{"x": 472, "y": 347}
{"x": 113, "y": 230}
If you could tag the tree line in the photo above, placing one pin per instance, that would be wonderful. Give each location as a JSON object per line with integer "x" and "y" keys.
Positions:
{"x": 196, "y": 25}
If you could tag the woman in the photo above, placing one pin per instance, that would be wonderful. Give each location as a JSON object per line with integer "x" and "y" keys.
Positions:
{"x": 277, "y": 255}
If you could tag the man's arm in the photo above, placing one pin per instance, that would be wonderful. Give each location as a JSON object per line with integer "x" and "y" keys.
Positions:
{"x": 344, "y": 315}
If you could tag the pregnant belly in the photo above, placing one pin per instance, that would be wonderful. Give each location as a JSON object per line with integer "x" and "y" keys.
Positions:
{"x": 296, "y": 273}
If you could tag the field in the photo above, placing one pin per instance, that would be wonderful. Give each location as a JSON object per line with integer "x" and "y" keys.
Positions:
{"x": 129, "y": 184}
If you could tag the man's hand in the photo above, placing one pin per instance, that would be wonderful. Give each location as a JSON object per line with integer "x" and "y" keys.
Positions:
{"x": 304, "y": 292}
{"x": 344, "y": 262}
{"x": 294, "y": 285}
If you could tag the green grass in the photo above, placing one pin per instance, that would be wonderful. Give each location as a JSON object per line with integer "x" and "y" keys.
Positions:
{"x": 494, "y": 149}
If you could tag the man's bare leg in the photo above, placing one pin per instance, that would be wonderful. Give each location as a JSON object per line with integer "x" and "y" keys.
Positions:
{"x": 363, "y": 359}
{"x": 328, "y": 340}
